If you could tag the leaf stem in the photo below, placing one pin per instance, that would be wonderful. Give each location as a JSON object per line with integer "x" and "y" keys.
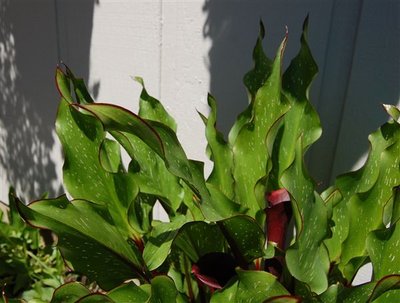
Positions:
{"x": 188, "y": 279}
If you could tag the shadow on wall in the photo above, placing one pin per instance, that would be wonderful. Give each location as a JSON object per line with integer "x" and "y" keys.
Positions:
{"x": 29, "y": 53}
{"x": 233, "y": 29}
{"x": 348, "y": 40}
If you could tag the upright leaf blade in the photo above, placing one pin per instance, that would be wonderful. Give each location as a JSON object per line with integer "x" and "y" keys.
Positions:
{"x": 250, "y": 153}
{"x": 84, "y": 175}
{"x": 88, "y": 240}
{"x": 365, "y": 193}
{"x": 383, "y": 247}
{"x": 152, "y": 109}
{"x": 221, "y": 154}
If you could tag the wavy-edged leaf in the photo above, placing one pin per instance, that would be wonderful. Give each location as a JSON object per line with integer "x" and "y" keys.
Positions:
{"x": 63, "y": 85}
{"x": 79, "y": 87}
{"x": 253, "y": 80}
{"x": 88, "y": 239}
{"x": 251, "y": 287}
{"x": 198, "y": 238}
{"x": 256, "y": 78}
{"x": 128, "y": 292}
{"x": 393, "y": 111}
{"x": 370, "y": 292}
{"x": 110, "y": 156}
{"x": 156, "y": 135}
{"x": 69, "y": 293}
{"x": 151, "y": 109}
{"x": 159, "y": 242}
{"x": 245, "y": 238}
{"x": 163, "y": 290}
{"x": 213, "y": 204}
{"x": 96, "y": 298}
{"x": 283, "y": 299}
{"x": 301, "y": 120}
{"x": 149, "y": 171}
{"x": 383, "y": 248}
{"x": 307, "y": 259}
{"x": 167, "y": 146}
{"x": 84, "y": 176}
{"x": 116, "y": 118}
{"x": 365, "y": 193}
{"x": 250, "y": 153}
{"x": 221, "y": 154}
{"x": 140, "y": 213}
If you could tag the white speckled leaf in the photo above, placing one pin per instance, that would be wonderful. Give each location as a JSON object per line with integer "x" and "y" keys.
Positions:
{"x": 159, "y": 241}
{"x": 307, "y": 259}
{"x": 69, "y": 293}
{"x": 81, "y": 137}
{"x": 383, "y": 247}
{"x": 198, "y": 238}
{"x": 244, "y": 236}
{"x": 250, "y": 155}
{"x": 221, "y": 154}
{"x": 250, "y": 287}
{"x": 365, "y": 193}
{"x": 151, "y": 109}
{"x": 88, "y": 239}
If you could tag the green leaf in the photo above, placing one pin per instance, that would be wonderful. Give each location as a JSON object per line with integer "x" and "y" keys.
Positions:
{"x": 251, "y": 287}
{"x": 307, "y": 259}
{"x": 110, "y": 156}
{"x": 157, "y": 136}
{"x": 245, "y": 237}
{"x": 253, "y": 80}
{"x": 383, "y": 248}
{"x": 198, "y": 238}
{"x": 63, "y": 85}
{"x": 117, "y": 118}
{"x": 250, "y": 153}
{"x": 149, "y": 171}
{"x": 128, "y": 292}
{"x": 140, "y": 213}
{"x": 370, "y": 291}
{"x": 79, "y": 87}
{"x": 88, "y": 239}
{"x": 159, "y": 243}
{"x": 14, "y": 219}
{"x": 365, "y": 193}
{"x": 213, "y": 203}
{"x": 301, "y": 120}
{"x": 393, "y": 111}
{"x": 163, "y": 290}
{"x": 162, "y": 140}
{"x": 69, "y": 293}
{"x": 256, "y": 78}
{"x": 84, "y": 176}
{"x": 221, "y": 154}
{"x": 283, "y": 299}
{"x": 96, "y": 298}
{"x": 151, "y": 109}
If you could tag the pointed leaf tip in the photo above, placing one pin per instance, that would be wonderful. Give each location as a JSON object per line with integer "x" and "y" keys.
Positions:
{"x": 393, "y": 112}
{"x": 261, "y": 33}
{"x": 138, "y": 80}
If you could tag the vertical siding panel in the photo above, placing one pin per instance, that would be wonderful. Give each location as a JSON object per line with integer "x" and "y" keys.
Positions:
{"x": 335, "y": 74}
{"x": 374, "y": 79}
{"x": 184, "y": 71}
{"x": 74, "y": 22}
{"x": 27, "y": 97}
{"x": 124, "y": 43}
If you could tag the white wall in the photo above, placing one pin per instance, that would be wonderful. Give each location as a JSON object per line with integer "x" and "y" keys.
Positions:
{"x": 183, "y": 49}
